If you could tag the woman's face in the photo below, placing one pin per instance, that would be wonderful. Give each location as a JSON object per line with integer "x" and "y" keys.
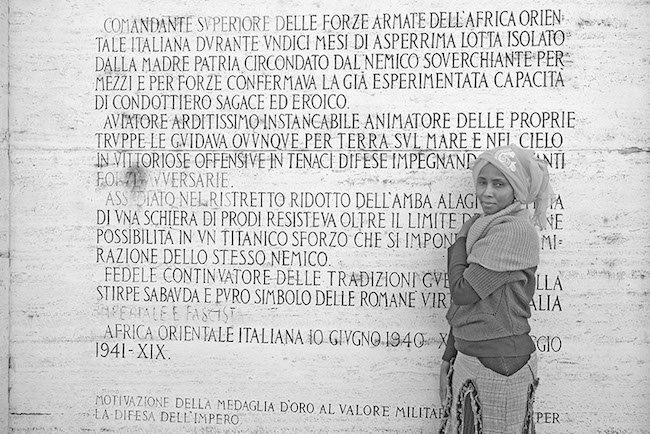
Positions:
{"x": 493, "y": 190}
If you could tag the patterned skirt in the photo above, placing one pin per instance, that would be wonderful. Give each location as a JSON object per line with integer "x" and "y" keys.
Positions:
{"x": 481, "y": 401}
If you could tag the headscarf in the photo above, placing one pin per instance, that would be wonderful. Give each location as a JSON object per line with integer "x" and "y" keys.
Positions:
{"x": 527, "y": 174}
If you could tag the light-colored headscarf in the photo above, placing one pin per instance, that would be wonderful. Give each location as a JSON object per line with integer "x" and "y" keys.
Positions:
{"x": 527, "y": 174}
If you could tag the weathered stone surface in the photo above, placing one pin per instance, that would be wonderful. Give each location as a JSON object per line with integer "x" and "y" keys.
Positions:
{"x": 263, "y": 367}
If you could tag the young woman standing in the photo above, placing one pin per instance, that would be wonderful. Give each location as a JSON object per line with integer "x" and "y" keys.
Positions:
{"x": 488, "y": 374}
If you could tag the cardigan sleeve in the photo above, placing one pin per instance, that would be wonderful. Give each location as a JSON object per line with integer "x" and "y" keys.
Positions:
{"x": 461, "y": 291}
{"x": 450, "y": 348}
{"x": 470, "y": 283}
{"x": 485, "y": 281}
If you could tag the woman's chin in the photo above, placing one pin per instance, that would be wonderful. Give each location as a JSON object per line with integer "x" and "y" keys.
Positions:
{"x": 489, "y": 209}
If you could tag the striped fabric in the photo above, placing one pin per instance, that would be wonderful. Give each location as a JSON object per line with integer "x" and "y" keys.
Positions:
{"x": 504, "y": 241}
{"x": 498, "y": 404}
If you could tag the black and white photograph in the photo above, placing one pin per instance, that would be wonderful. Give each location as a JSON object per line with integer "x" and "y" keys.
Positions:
{"x": 326, "y": 216}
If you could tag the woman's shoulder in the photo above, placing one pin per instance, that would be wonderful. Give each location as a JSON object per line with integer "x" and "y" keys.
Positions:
{"x": 519, "y": 225}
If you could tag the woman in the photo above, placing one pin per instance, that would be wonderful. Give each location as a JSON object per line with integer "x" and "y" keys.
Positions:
{"x": 491, "y": 267}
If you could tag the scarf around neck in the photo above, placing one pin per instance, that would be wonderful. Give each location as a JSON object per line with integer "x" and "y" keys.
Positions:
{"x": 504, "y": 241}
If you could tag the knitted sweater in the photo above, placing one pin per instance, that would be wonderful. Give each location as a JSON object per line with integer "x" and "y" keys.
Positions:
{"x": 504, "y": 241}
{"x": 496, "y": 322}
{"x": 492, "y": 287}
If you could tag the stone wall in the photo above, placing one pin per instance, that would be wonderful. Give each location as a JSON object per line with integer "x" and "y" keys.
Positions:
{"x": 235, "y": 218}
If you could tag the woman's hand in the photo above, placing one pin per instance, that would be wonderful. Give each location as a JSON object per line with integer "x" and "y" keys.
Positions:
{"x": 464, "y": 230}
{"x": 444, "y": 371}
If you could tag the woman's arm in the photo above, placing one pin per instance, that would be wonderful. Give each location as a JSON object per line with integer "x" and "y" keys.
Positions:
{"x": 450, "y": 353}
{"x": 461, "y": 291}
{"x": 469, "y": 283}
{"x": 444, "y": 382}
{"x": 450, "y": 348}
